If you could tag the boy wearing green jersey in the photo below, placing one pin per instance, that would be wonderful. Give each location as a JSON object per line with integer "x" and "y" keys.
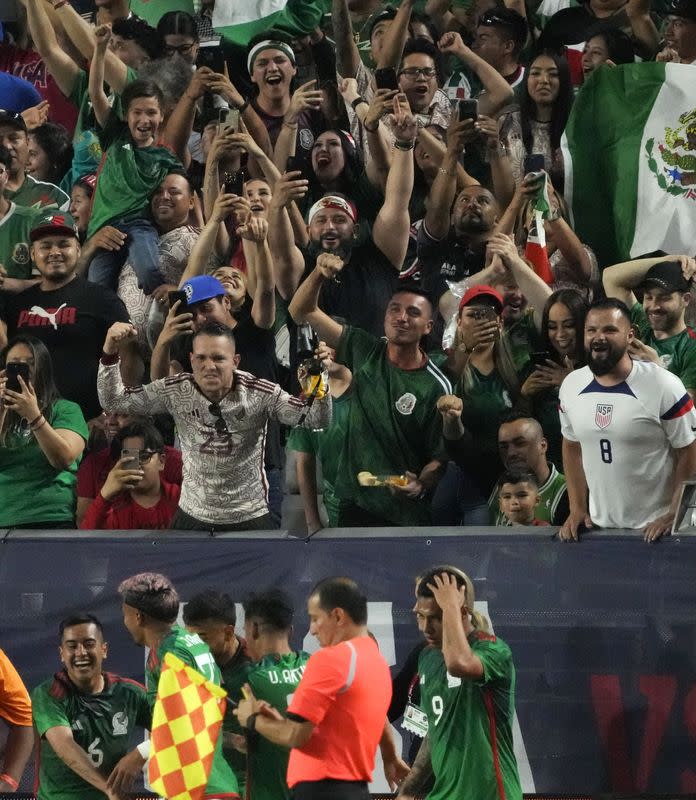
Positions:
{"x": 467, "y": 685}
{"x": 150, "y": 609}
{"x": 212, "y": 615}
{"x": 85, "y": 718}
{"x": 273, "y": 677}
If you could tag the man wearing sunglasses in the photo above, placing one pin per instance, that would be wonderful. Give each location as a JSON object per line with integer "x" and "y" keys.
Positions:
{"x": 134, "y": 495}
{"x": 221, "y": 414}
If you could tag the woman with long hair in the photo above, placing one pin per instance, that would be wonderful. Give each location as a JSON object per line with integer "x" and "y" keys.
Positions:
{"x": 545, "y": 103}
{"x": 42, "y": 437}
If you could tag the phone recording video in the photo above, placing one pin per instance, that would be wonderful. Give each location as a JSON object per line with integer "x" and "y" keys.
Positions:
{"x": 386, "y": 78}
{"x": 534, "y": 162}
{"x": 13, "y": 369}
{"x": 467, "y": 109}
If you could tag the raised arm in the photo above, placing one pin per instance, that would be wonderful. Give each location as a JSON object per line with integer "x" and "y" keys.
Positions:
{"x": 642, "y": 26}
{"x": 59, "y": 64}
{"x": 347, "y": 53}
{"x": 436, "y": 150}
{"x": 395, "y": 36}
{"x": 460, "y": 659}
{"x": 391, "y": 229}
{"x": 255, "y": 232}
{"x": 97, "y": 96}
{"x": 378, "y": 138}
{"x": 304, "y": 306}
{"x": 177, "y": 131}
{"x": 305, "y": 98}
{"x": 287, "y": 258}
{"x": 498, "y": 91}
{"x": 621, "y": 279}
{"x": 444, "y": 187}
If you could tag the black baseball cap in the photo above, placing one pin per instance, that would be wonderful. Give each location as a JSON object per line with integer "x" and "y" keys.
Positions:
{"x": 13, "y": 118}
{"x": 682, "y": 8}
{"x": 506, "y": 18}
{"x": 666, "y": 275}
{"x": 380, "y": 16}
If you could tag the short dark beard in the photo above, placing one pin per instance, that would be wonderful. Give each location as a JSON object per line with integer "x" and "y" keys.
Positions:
{"x": 608, "y": 363}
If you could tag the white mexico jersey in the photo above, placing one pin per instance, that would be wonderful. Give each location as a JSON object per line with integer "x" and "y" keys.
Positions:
{"x": 627, "y": 433}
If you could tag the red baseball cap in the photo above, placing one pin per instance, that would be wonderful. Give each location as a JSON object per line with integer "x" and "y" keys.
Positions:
{"x": 481, "y": 291}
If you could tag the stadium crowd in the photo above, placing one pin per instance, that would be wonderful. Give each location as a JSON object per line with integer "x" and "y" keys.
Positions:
{"x": 341, "y": 252}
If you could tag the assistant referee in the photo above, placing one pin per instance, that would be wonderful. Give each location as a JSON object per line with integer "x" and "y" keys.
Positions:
{"x": 337, "y": 716}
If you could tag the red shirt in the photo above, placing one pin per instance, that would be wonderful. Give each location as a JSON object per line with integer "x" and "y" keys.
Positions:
{"x": 29, "y": 65}
{"x": 345, "y": 692}
{"x": 96, "y": 465}
{"x": 124, "y": 514}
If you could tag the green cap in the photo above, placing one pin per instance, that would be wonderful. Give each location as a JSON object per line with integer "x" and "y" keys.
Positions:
{"x": 53, "y": 222}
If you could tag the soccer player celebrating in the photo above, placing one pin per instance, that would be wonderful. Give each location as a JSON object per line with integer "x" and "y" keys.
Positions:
{"x": 274, "y": 678}
{"x": 467, "y": 685}
{"x": 150, "y": 609}
{"x": 85, "y": 717}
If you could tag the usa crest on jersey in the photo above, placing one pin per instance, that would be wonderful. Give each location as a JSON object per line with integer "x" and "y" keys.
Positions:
{"x": 603, "y": 415}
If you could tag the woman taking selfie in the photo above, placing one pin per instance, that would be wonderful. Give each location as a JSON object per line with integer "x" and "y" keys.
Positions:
{"x": 42, "y": 438}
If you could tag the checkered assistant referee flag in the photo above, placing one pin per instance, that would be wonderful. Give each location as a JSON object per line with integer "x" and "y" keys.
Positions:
{"x": 185, "y": 725}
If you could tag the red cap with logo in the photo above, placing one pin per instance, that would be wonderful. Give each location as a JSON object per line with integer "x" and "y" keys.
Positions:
{"x": 480, "y": 292}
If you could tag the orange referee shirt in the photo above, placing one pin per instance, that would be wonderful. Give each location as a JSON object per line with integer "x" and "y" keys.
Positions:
{"x": 15, "y": 705}
{"x": 345, "y": 692}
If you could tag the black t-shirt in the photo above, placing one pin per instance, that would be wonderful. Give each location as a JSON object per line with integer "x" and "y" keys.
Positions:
{"x": 451, "y": 259}
{"x": 72, "y": 322}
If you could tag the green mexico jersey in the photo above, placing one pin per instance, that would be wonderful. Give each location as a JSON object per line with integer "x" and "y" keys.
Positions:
{"x": 553, "y": 494}
{"x": 273, "y": 679}
{"x": 326, "y": 445}
{"x": 523, "y": 337}
{"x": 393, "y": 426}
{"x": 39, "y": 195}
{"x": 192, "y": 650}
{"x": 80, "y": 97}
{"x": 234, "y": 676}
{"x": 103, "y": 725}
{"x": 470, "y": 724}
{"x": 677, "y": 353}
{"x": 15, "y": 244}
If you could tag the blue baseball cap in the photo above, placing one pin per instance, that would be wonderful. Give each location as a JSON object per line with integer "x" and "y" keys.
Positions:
{"x": 201, "y": 288}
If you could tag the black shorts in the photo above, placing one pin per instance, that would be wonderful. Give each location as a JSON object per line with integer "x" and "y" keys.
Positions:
{"x": 330, "y": 790}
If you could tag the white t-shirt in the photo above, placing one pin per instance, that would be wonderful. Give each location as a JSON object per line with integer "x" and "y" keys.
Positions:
{"x": 627, "y": 433}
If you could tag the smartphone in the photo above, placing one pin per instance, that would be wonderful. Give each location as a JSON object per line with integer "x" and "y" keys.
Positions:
{"x": 131, "y": 458}
{"x": 294, "y": 163}
{"x": 467, "y": 109}
{"x": 178, "y": 295}
{"x": 540, "y": 358}
{"x": 386, "y": 78}
{"x": 13, "y": 369}
{"x": 210, "y": 55}
{"x": 234, "y": 183}
{"x": 228, "y": 118}
{"x": 534, "y": 162}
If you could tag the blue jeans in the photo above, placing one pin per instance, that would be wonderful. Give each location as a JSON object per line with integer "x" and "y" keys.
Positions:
{"x": 141, "y": 250}
{"x": 275, "y": 494}
{"x": 458, "y": 501}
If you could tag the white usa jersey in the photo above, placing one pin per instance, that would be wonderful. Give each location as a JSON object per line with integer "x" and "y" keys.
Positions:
{"x": 628, "y": 433}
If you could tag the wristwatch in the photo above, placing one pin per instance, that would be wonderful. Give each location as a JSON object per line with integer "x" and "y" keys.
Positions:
{"x": 250, "y": 724}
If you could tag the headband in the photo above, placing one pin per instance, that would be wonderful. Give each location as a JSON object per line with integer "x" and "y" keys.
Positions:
{"x": 333, "y": 201}
{"x": 269, "y": 44}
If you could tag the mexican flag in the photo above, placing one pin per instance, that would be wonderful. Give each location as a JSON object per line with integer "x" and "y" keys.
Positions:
{"x": 152, "y": 10}
{"x": 630, "y": 161}
{"x": 239, "y": 21}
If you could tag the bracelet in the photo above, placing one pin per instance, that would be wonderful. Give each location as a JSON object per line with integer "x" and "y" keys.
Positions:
{"x": 8, "y": 779}
{"x": 357, "y": 101}
{"x": 39, "y": 426}
{"x": 250, "y": 724}
{"x": 58, "y": 5}
{"x": 452, "y": 174}
{"x": 34, "y": 421}
{"x": 404, "y": 146}
{"x": 243, "y": 107}
{"x": 371, "y": 130}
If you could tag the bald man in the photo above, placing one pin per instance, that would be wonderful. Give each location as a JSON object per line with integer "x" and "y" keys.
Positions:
{"x": 522, "y": 445}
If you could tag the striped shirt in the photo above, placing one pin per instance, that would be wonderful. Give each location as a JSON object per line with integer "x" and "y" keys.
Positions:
{"x": 223, "y": 476}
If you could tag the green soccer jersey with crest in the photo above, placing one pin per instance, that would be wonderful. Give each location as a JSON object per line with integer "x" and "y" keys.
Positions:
{"x": 15, "y": 243}
{"x": 677, "y": 353}
{"x": 103, "y": 725}
{"x": 393, "y": 426}
{"x": 234, "y": 676}
{"x": 274, "y": 679}
{"x": 192, "y": 650}
{"x": 470, "y": 724}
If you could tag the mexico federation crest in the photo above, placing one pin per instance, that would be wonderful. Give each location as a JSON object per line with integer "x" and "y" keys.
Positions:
{"x": 673, "y": 161}
{"x": 406, "y": 403}
{"x": 603, "y": 415}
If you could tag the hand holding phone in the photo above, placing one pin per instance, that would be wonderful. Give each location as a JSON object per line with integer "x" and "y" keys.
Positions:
{"x": 386, "y": 78}
{"x": 13, "y": 369}
{"x": 534, "y": 162}
{"x": 130, "y": 458}
{"x": 181, "y": 296}
{"x": 234, "y": 183}
{"x": 228, "y": 119}
{"x": 467, "y": 109}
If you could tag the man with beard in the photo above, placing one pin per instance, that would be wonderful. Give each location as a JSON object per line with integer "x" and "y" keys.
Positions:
{"x": 85, "y": 718}
{"x": 629, "y": 433}
{"x": 371, "y": 269}
{"x": 664, "y": 337}
{"x": 680, "y": 33}
{"x": 70, "y": 315}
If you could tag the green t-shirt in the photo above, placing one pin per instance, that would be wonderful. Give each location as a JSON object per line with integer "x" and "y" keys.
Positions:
{"x": 192, "y": 650}
{"x": 128, "y": 177}
{"x": 80, "y": 97}
{"x": 273, "y": 679}
{"x": 39, "y": 195}
{"x": 326, "y": 445}
{"x": 524, "y": 338}
{"x": 393, "y": 426}
{"x": 677, "y": 353}
{"x": 552, "y": 495}
{"x": 102, "y": 724}
{"x": 470, "y": 724}
{"x": 234, "y": 676}
{"x": 26, "y": 473}
{"x": 15, "y": 243}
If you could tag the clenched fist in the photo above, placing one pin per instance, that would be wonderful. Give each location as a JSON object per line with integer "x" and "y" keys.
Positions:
{"x": 450, "y": 406}
{"x": 329, "y": 264}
